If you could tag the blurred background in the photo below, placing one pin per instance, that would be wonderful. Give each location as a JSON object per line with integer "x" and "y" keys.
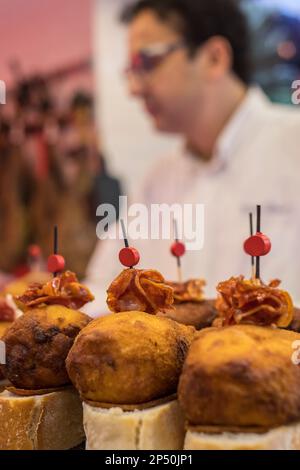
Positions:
{"x": 70, "y": 137}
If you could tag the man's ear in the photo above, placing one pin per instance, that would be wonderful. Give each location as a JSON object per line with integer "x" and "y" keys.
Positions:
{"x": 219, "y": 56}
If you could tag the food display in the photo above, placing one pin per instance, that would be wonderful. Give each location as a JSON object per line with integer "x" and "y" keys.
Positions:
{"x": 142, "y": 290}
{"x": 39, "y": 408}
{"x": 126, "y": 367}
{"x": 142, "y": 377}
{"x": 253, "y": 302}
{"x": 239, "y": 388}
{"x": 190, "y": 305}
{"x": 295, "y": 325}
{"x": 8, "y": 314}
{"x": 36, "y": 273}
{"x": 18, "y": 286}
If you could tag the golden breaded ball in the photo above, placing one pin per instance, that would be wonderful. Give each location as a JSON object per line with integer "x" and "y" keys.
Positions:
{"x": 37, "y": 345}
{"x": 129, "y": 358}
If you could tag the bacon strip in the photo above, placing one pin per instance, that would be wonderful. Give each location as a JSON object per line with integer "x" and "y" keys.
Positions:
{"x": 140, "y": 290}
{"x": 253, "y": 302}
{"x": 189, "y": 291}
{"x": 64, "y": 289}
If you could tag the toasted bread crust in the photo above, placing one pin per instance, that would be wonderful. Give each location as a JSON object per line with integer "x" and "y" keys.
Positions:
{"x": 44, "y": 422}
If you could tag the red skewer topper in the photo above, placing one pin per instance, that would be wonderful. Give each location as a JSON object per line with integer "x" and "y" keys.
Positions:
{"x": 178, "y": 249}
{"x": 258, "y": 245}
{"x": 128, "y": 256}
{"x": 56, "y": 263}
{"x": 34, "y": 251}
{"x": 34, "y": 258}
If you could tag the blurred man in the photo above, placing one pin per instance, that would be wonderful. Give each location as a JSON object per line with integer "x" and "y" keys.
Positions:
{"x": 189, "y": 67}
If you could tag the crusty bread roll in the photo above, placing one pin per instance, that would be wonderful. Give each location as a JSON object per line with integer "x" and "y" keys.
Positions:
{"x": 281, "y": 438}
{"x": 157, "y": 428}
{"x": 41, "y": 422}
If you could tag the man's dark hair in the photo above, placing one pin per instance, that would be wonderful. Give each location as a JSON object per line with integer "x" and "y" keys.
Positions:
{"x": 199, "y": 20}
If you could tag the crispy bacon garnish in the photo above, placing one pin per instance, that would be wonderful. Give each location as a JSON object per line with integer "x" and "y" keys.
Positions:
{"x": 253, "y": 302}
{"x": 189, "y": 291}
{"x": 64, "y": 289}
{"x": 144, "y": 291}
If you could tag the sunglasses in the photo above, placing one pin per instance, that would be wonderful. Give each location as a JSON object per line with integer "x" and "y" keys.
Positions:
{"x": 148, "y": 58}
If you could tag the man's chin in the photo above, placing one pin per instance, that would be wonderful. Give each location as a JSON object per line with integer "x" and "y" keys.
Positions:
{"x": 162, "y": 126}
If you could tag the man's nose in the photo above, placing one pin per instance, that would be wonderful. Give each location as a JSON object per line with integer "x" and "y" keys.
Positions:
{"x": 136, "y": 85}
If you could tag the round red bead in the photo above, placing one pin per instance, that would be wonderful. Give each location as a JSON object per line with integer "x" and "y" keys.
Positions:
{"x": 34, "y": 251}
{"x": 178, "y": 249}
{"x": 129, "y": 257}
{"x": 258, "y": 245}
{"x": 56, "y": 263}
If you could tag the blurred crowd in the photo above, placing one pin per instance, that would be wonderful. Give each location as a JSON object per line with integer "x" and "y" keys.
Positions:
{"x": 275, "y": 45}
{"x": 51, "y": 172}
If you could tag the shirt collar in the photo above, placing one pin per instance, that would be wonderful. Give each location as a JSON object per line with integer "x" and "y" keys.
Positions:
{"x": 254, "y": 102}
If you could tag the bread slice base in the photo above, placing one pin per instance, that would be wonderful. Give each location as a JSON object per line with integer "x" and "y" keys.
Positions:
{"x": 157, "y": 428}
{"x": 281, "y": 438}
{"x": 41, "y": 422}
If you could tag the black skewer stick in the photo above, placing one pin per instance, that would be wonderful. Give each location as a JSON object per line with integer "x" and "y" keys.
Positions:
{"x": 258, "y": 209}
{"x": 251, "y": 234}
{"x": 176, "y": 240}
{"x": 55, "y": 244}
{"x": 177, "y": 257}
{"x": 125, "y": 236}
{"x": 258, "y": 229}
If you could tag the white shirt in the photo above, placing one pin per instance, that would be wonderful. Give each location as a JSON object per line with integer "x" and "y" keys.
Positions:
{"x": 256, "y": 161}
